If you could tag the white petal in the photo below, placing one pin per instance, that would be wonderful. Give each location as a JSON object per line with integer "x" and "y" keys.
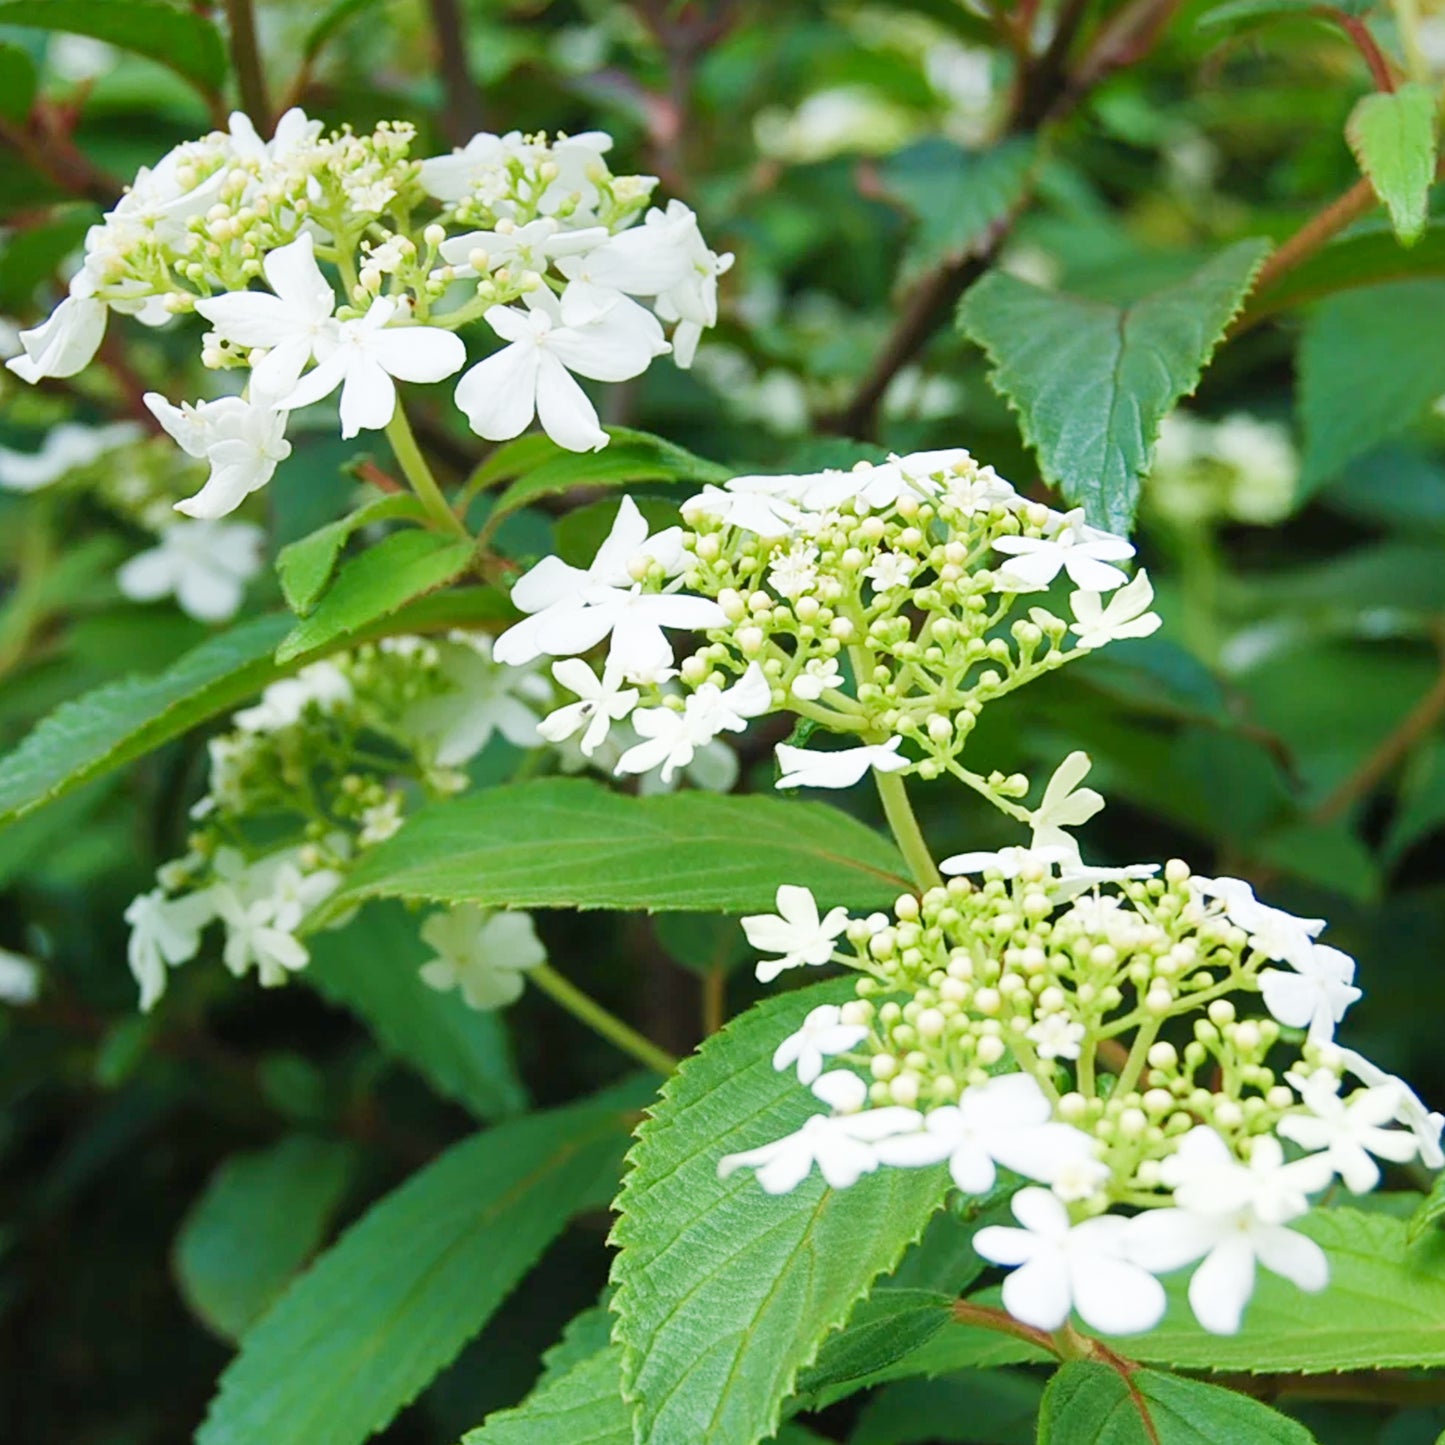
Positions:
{"x": 420, "y": 353}
{"x": 498, "y": 396}
{"x": 1222, "y": 1285}
{"x": 1115, "y": 1297}
{"x": 563, "y": 408}
{"x": 368, "y": 398}
{"x": 1037, "y": 1293}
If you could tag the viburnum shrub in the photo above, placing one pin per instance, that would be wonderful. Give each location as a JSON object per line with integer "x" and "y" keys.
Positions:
{"x": 1032, "y": 1128}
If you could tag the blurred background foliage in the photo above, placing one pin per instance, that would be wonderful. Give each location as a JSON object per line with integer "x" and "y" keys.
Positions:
{"x": 162, "y": 1177}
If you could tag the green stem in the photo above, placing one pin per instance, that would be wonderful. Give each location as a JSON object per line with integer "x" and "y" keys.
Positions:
{"x": 1138, "y": 1055}
{"x": 413, "y": 464}
{"x": 906, "y": 832}
{"x": 586, "y": 1009}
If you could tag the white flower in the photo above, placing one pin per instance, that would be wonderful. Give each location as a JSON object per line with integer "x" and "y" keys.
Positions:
{"x": 65, "y": 448}
{"x": 603, "y": 702}
{"x": 822, "y": 1034}
{"x": 64, "y": 343}
{"x": 322, "y": 685}
{"x": 1009, "y": 862}
{"x": 692, "y": 300}
{"x": 1349, "y": 1131}
{"x": 163, "y": 932}
{"x": 671, "y": 737}
{"x": 803, "y": 768}
{"x": 841, "y": 1145}
{"x": 1232, "y": 1216}
{"x": 532, "y": 247}
{"x": 1126, "y": 615}
{"x": 1410, "y": 1111}
{"x": 262, "y": 905}
{"x": 453, "y": 177}
{"x": 19, "y": 978}
{"x": 1077, "y": 877}
{"x": 1056, "y": 1036}
{"x": 204, "y": 565}
{"x": 767, "y": 516}
{"x": 485, "y": 954}
{"x": 363, "y": 356}
{"x": 889, "y": 570}
{"x": 573, "y": 610}
{"x": 380, "y": 822}
{"x": 242, "y": 440}
{"x": 532, "y": 375}
{"x": 795, "y": 932}
{"x": 1007, "y": 1121}
{"x": 1065, "y": 805}
{"x": 294, "y": 132}
{"x": 1272, "y": 931}
{"x": 1085, "y": 553}
{"x": 289, "y": 326}
{"x": 1314, "y": 996}
{"x": 646, "y": 260}
{"x": 1063, "y": 1267}
{"x": 795, "y": 572}
{"x": 841, "y": 1090}
{"x": 819, "y": 674}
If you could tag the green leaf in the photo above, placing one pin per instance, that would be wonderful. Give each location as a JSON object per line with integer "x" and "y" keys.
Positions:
{"x": 259, "y": 1219}
{"x": 725, "y": 1293}
{"x": 1239, "y": 14}
{"x": 974, "y": 1407}
{"x": 1089, "y": 1404}
{"x": 114, "y": 724}
{"x": 376, "y": 583}
{"x": 371, "y": 967}
{"x": 18, "y": 82}
{"x": 887, "y": 1326}
{"x": 1368, "y": 367}
{"x": 176, "y": 36}
{"x": 332, "y": 19}
{"x": 375, "y": 1318}
{"x": 581, "y": 1406}
{"x": 572, "y": 843}
{"x": 305, "y": 566}
{"x": 582, "y": 1337}
{"x": 1428, "y": 1215}
{"x": 1091, "y": 381}
{"x": 1420, "y": 805}
{"x": 1393, "y": 136}
{"x": 631, "y": 456}
{"x": 957, "y": 195}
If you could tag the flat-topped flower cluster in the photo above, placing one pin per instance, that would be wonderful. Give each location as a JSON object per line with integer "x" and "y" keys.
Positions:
{"x": 529, "y": 234}
{"x": 876, "y": 602}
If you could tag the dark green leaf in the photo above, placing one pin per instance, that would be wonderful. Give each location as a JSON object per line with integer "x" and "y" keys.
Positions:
{"x": 305, "y": 566}
{"x": 572, "y": 843}
{"x": 378, "y": 1315}
{"x": 1091, "y": 381}
{"x": 332, "y": 19}
{"x": 1392, "y": 134}
{"x": 974, "y": 1407}
{"x": 581, "y": 1406}
{"x": 176, "y": 36}
{"x": 887, "y": 1326}
{"x": 17, "y": 83}
{"x": 260, "y": 1218}
{"x": 1239, "y": 14}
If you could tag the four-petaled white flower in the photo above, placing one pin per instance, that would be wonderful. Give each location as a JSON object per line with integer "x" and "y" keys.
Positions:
{"x": 1315, "y": 994}
{"x": 804, "y": 768}
{"x": 164, "y": 932}
{"x": 823, "y": 1033}
{"x": 242, "y": 440}
{"x": 671, "y": 736}
{"x": 1410, "y": 1111}
{"x": 841, "y": 1090}
{"x": 290, "y": 326}
{"x": 572, "y": 610}
{"x": 485, "y": 954}
{"x": 66, "y": 447}
{"x": 204, "y": 565}
{"x": 691, "y": 302}
{"x": 603, "y": 702}
{"x": 1056, "y": 1036}
{"x": 363, "y": 356}
{"x": 532, "y": 374}
{"x": 1233, "y": 1217}
{"x": 889, "y": 570}
{"x": 1349, "y": 1131}
{"x": 1125, "y": 615}
{"x": 262, "y": 906}
{"x": 818, "y": 676}
{"x": 795, "y": 932}
{"x": 843, "y": 1146}
{"x": 1065, "y": 805}
{"x": 1011, "y": 861}
{"x": 795, "y": 572}
{"x": 1272, "y": 931}
{"x": 1007, "y": 1121}
{"x": 1063, "y": 1266}
{"x": 1085, "y": 553}
{"x": 532, "y": 247}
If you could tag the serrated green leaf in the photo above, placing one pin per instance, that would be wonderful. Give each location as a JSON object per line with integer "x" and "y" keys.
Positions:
{"x": 584, "y": 1335}
{"x": 572, "y": 843}
{"x": 1368, "y": 368}
{"x": 582, "y": 1406}
{"x": 1089, "y": 1404}
{"x": 957, "y": 195}
{"x": 372, "y": 968}
{"x": 887, "y": 1326}
{"x": 374, "y": 1319}
{"x": 974, "y": 1407}
{"x": 306, "y": 565}
{"x": 1393, "y": 136}
{"x": 259, "y": 1219}
{"x": 17, "y": 83}
{"x": 1092, "y": 381}
{"x": 376, "y": 583}
{"x": 176, "y": 36}
{"x": 121, "y": 721}
{"x": 725, "y": 1293}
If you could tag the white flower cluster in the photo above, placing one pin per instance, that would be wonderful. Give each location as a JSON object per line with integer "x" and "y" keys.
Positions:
{"x": 1236, "y": 469}
{"x": 533, "y": 236}
{"x": 873, "y": 602}
{"x": 1022, "y": 1022}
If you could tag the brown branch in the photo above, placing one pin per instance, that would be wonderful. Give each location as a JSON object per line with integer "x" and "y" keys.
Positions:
{"x": 986, "y": 1317}
{"x": 1374, "y": 57}
{"x": 45, "y": 145}
{"x": 246, "y": 62}
{"x": 1319, "y": 229}
{"x": 462, "y": 115}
